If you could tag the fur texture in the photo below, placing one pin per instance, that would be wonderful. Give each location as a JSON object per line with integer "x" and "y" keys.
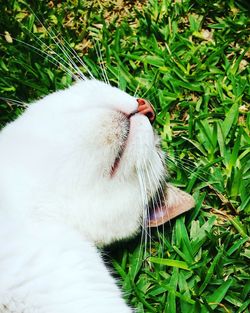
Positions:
{"x": 49, "y": 268}
{"x": 57, "y": 157}
{"x": 58, "y": 197}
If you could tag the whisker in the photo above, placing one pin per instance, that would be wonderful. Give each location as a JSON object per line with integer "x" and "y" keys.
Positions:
{"x": 65, "y": 51}
{"x": 143, "y": 235}
{"x": 142, "y": 183}
{"x": 160, "y": 189}
{"x": 75, "y": 55}
{"x": 50, "y": 57}
{"x": 193, "y": 173}
{"x": 181, "y": 163}
{"x": 177, "y": 159}
{"x": 105, "y": 72}
{"x": 173, "y": 149}
{"x": 68, "y": 61}
{"x": 60, "y": 46}
{"x": 152, "y": 197}
{"x": 99, "y": 55}
{"x": 146, "y": 210}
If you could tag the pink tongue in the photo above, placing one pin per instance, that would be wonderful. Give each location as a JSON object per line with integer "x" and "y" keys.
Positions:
{"x": 176, "y": 202}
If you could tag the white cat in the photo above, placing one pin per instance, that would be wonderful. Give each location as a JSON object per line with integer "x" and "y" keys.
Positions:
{"x": 78, "y": 169}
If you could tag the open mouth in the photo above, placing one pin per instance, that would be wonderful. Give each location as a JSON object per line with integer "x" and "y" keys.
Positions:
{"x": 120, "y": 153}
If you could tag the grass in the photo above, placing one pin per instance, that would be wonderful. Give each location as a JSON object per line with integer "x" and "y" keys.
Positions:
{"x": 191, "y": 60}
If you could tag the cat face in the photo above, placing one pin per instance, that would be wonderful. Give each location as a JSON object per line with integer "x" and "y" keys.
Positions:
{"x": 85, "y": 157}
{"x": 88, "y": 156}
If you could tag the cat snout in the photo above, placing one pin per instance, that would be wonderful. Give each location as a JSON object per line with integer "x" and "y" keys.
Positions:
{"x": 145, "y": 108}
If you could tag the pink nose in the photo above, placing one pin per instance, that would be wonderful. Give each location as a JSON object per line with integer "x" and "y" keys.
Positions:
{"x": 146, "y": 108}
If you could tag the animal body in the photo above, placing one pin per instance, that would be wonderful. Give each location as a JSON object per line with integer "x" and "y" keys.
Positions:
{"x": 80, "y": 168}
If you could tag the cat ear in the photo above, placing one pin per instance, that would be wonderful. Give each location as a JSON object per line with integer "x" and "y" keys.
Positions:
{"x": 176, "y": 202}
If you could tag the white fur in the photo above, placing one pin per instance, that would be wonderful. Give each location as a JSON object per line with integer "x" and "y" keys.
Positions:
{"x": 55, "y": 165}
{"x": 48, "y": 268}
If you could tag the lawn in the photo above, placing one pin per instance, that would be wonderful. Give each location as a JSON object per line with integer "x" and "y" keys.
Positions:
{"x": 191, "y": 60}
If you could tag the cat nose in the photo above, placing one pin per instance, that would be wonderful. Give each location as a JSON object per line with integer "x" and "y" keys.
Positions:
{"x": 146, "y": 108}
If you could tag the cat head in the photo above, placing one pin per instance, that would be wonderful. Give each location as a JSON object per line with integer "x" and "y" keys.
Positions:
{"x": 88, "y": 156}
